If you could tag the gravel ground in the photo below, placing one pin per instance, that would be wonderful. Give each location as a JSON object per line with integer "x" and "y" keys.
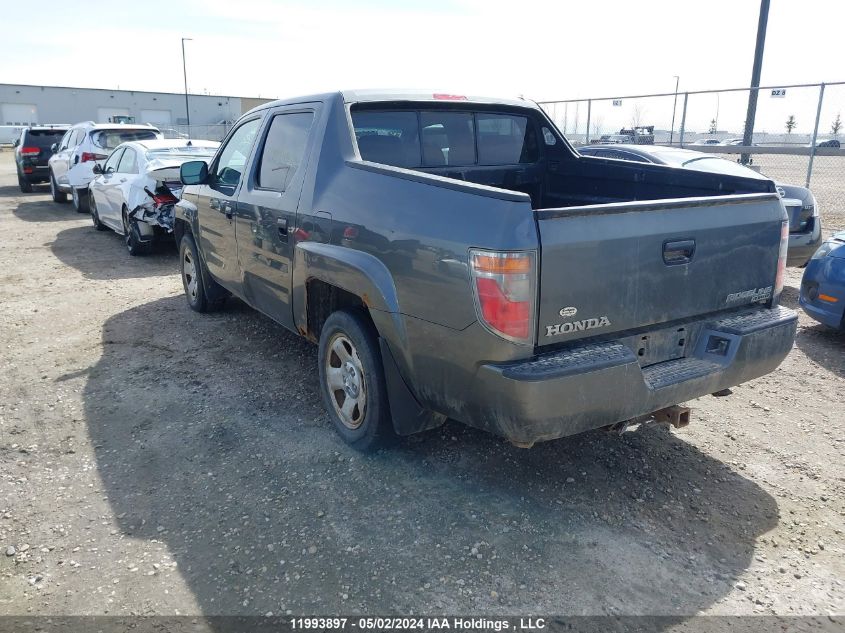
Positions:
{"x": 157, "y": 461}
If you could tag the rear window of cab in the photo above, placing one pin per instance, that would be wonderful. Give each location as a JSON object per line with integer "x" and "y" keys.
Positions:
{"x": 444, "y": 138}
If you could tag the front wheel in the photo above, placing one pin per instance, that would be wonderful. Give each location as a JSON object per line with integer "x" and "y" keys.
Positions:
{"x": 132, "y": 236}
{"x": 57, "y": 194}
{"x": 352, "y": 380}
{"x": 80, "y": 199}
{"x": 95, "y": 216}
{"x": 203, "y": 293}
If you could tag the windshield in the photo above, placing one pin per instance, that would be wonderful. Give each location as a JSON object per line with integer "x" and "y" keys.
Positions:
{"x": 716, "y": 165}
{"x": 109, "y": 139}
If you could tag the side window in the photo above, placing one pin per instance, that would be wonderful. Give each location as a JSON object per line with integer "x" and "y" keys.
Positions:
{"x": 111, "y": 164}
{"x": 74, "y": 138}
{"x": 65, "y": 139}
{"x": 284, "y": 149}
{"x": 230, "y": 166}
{"x": 129, "y": 163}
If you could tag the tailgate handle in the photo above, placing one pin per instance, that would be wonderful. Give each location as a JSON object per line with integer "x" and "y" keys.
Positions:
{"x": 679, "y": 252}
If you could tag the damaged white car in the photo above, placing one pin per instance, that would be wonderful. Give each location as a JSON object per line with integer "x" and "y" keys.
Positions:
{"x": 133, "y": 193}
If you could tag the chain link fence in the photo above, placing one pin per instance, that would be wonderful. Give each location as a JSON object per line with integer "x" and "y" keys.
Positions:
{"x": 788, "y": 119}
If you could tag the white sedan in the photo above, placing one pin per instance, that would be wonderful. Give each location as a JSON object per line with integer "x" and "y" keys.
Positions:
{"x": 134, "y": 191}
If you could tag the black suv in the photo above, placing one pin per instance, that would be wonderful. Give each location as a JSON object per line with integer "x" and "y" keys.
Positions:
{"x": 32, "y": 150}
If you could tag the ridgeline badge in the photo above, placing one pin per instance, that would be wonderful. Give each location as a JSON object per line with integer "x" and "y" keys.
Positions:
{"x": 576, "y": 326}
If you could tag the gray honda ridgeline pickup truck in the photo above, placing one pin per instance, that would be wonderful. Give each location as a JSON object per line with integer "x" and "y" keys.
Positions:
{"x": 455, "y": 257}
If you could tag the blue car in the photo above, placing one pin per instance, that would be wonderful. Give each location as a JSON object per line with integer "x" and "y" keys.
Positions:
{"x": 823, "y": 284}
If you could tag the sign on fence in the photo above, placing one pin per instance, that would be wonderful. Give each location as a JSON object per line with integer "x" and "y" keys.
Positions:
{"x": 617, "y": 102}
{"x": 778, "y": 92}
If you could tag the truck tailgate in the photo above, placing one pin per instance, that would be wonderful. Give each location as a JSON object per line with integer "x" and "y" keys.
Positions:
{"x": 615, "y": 267}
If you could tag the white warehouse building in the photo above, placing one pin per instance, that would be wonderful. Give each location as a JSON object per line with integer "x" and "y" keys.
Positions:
{"x": 22, "y": 105}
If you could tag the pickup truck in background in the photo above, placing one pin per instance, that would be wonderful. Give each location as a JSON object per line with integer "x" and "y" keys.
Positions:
{"x": 454, "y": 257}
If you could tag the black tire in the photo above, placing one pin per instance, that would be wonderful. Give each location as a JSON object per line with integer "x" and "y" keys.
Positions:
{"x": 55, "y": 193}
{"x": 24, "y": 184}
{"x": 132, "y": 237}
{"x": 367, "y": 424}
{"x": 95, "y": 217}
{"x": 80, "y": 200}
{"x": 203, "y": 293}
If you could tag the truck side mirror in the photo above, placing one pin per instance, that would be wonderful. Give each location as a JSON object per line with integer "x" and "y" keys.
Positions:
{"x": 97, "y": 169}
{"x": 54, "y": 147}
{"x": 194, "y": 172}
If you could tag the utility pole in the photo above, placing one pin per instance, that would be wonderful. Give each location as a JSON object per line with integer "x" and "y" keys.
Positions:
{"x": 755, "y": 78}
{"x": 185, "y": 75}
{"x": 674, "y": 107}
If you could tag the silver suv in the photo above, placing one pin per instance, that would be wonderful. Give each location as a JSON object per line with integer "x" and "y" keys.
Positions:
{"x": 71, "y": 166}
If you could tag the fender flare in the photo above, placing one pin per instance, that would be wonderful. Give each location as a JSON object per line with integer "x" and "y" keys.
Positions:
{"x": 356, "y": 272}
{"x": 365, "y": 276}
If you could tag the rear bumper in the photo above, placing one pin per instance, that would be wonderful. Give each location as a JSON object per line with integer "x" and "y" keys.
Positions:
{"x": 803, "y": 245}
{"x": 597, "y": 384}
{"x": 39, "y": 173}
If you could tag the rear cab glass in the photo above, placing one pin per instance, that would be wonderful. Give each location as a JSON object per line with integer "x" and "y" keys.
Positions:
{"x": 441, "y": 137}
{"x": 109, "y": 139}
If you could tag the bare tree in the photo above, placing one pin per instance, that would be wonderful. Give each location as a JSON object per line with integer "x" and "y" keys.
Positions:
{"x": 637, "y": 115}
{"x": 836, "y": 125}
{"x": 790, "y": 124}
{"x": 598, "y": 123}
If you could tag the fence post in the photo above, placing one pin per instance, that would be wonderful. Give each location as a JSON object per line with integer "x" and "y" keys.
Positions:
{"x": 815, "y": 135}
{"x": 589, "y": 110}
{"x": 684, "y": 119}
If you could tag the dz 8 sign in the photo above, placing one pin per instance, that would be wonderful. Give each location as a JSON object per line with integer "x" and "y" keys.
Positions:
{"x": 778, "y": 92}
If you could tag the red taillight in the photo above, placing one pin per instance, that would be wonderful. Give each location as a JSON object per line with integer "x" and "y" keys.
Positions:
{"x": 88, "y": 156}
{"x": 165, "y": 198}
{"x": 28, "y": 170}
{"x": 784, "y": 247}
{"x": 30, "y": 151}
{"x": 503, "y": 284}
{"x": 350, "y": 233}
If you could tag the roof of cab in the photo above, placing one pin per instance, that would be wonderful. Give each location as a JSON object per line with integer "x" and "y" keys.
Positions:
{"x": 394, "y": 95}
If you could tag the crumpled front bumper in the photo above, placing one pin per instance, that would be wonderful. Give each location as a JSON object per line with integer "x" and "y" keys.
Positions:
{"x": 596, "y": 384}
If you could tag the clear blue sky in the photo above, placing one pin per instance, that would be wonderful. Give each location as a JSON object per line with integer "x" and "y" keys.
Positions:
{"x": 540, "y": 49}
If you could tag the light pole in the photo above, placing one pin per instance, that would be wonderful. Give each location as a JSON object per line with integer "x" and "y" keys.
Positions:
{"x": 748, "y": 133}
{"x": 185, "y": 75}
{"x": 674, "y": 107}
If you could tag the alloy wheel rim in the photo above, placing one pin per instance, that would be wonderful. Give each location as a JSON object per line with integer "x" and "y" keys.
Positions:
{"x": 345, "y": 381}
{"x": 189, "y": 270}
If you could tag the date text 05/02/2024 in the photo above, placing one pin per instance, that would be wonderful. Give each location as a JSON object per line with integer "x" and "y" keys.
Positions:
{"x": 418, "y": 623}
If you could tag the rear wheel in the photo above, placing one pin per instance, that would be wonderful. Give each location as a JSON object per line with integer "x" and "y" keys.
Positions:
{"x": 80, "y": 199}
{"x": 55, "y": 193}
{"x": 24, "y": 184}
{"x": 352, "y": 380}
{"x": 203, "y": 293}
{"x": 95, "y": 217}
{"x": 131, "y": 236}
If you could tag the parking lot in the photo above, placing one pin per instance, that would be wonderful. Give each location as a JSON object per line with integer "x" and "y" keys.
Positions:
{"x": 158, "y": 461}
